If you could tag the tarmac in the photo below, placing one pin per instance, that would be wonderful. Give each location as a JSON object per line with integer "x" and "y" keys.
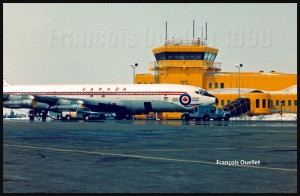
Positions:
{"x": 148, "y": 156}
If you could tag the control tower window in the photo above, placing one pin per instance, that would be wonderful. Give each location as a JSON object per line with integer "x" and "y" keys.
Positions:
{"x": 212, "y": 57}
{"x": 179, "y": 56}
{"x": 209, "y": 56}
{"x": 205, "y": 56}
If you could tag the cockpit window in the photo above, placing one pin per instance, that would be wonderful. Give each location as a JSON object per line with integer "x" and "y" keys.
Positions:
{"x": 203, "y": 92}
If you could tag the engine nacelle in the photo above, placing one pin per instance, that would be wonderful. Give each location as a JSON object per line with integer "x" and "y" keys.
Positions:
{"x": 60, "y": 108}
{"x": 69, "y": 102}
{"x": 18, "y": 97}
{"x": 66, "y": 105}
{"x": 26, "y": 103}
{"x": 39, "y": 105}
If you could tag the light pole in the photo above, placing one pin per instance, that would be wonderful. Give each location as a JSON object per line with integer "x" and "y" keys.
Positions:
{"x": 239, "y": 66}
{"x": 133, "y": 67}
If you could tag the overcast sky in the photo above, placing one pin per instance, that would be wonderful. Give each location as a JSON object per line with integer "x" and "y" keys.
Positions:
{"x": 96, "y": 43}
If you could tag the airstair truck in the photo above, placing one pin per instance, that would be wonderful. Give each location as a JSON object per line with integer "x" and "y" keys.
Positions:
{"x": 206, "y": 113}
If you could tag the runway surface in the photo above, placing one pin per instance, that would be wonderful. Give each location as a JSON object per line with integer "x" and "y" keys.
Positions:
{"x": 149, "y": 156}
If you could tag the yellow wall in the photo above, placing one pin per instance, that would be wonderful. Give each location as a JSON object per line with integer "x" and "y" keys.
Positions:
{"x": 253, "y": 80}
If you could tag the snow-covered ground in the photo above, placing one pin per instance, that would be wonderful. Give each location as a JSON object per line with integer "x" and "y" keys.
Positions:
{"x": 275, "y": 117}
{"x": 285, "y": 116}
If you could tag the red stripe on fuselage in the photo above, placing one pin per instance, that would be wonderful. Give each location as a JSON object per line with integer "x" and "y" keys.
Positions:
{"x": 98, "y": 93}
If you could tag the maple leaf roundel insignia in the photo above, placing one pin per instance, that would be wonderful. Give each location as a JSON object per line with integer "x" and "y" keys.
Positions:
{"x": 185, "y": 99}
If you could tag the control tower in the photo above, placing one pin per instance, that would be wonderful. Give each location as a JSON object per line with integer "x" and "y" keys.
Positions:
{"x": 181, "y": 62}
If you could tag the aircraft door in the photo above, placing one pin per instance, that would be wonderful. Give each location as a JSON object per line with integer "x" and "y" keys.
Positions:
{"x": 148, "y": 106}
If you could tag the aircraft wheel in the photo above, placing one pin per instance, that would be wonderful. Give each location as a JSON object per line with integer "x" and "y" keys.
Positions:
{"x": 226, "y": 118}
{"x": 31, "y": 118}
{"x": 185, "y": 117}
{"x": 68, "y": 117}
{"x": 86, "y": 118}
{"x": 206, "y": 117}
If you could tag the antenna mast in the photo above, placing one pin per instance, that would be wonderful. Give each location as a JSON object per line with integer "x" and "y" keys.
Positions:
{"x": 166, "y": 30}
{"x": 193, "y": 29}
{"x": 206, "y": 33}
{"x": 202, "y": 35}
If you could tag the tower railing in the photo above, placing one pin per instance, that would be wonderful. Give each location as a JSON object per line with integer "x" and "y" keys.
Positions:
{"x": 198, "y": 42}
{"x": 154, "y": 66}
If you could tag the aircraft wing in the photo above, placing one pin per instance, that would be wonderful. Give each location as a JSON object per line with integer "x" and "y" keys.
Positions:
{"x": 57, "y": 104}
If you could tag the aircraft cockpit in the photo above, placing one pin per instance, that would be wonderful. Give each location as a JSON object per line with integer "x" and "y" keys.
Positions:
{"x": 204, "y": 93}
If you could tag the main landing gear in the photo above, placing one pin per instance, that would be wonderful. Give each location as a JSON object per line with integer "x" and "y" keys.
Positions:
{"x": 40, "y": 115}
{"x": 121, "y": 116}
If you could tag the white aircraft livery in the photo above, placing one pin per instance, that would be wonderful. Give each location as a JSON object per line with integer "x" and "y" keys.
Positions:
{"x": 122, "y": 99}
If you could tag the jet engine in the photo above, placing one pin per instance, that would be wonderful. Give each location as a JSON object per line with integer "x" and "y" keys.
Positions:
{"x": 64, "y": 105}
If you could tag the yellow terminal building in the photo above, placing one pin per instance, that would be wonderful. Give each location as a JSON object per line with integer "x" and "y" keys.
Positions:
{"x": 193, "y": 63}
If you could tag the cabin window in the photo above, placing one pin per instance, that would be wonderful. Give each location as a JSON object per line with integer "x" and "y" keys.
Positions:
{"x": 257, "y": 103}
{"x": 264, "y": 103}
{"x": 210, "y": 85}
{"x": 289, "y": 102}
{"x": 222, "y": 85}
{"x": 295, "y": 102}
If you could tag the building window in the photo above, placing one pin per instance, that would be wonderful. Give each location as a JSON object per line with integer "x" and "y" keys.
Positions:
{"x": 289, "y": 102}
{"x": 257, "y": 103}
{"x": 277, "y": 102}
{"x": 269, "y": 103}
{"x": 222, "y": 85}
{"x": 264, "y": 103}
{"x": 210, "y": 85}
{"x": 295, "y": 102}
{"x": 222, "y": 102}
{"x": 283, "y": 102}
{"x": 216, "y": 84}
{"x": 228, "y": 101}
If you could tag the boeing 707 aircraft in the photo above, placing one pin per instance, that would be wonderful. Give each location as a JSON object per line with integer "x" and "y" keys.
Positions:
{"x": 122, "y": 99}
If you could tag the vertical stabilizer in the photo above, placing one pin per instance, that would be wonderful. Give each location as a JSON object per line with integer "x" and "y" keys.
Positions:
{"x": 5, "y": 83}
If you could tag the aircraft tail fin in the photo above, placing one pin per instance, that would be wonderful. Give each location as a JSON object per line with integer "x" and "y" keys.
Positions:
{"x": 5, "y": 83}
